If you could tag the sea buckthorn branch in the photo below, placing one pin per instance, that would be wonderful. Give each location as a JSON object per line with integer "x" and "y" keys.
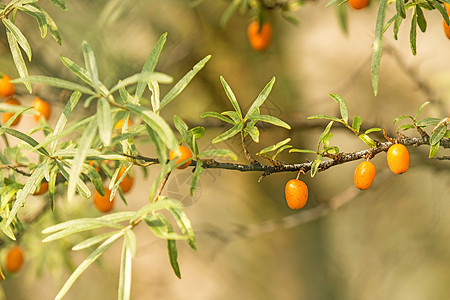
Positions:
{"x": 338, "y": 159}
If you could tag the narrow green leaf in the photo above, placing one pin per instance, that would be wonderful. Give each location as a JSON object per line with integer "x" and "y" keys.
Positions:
{"x": 81, "y": 188}
{"x": 302, "y": 151}
{"x": 323, "y": 117}
{"x": 184, "y": 224}
{"x": 124, "y": 290}
{"x": 86, "y": 263}
{"x": 18, "y": 58}
{"x": 397, "y": 22}
{"x": 171, "y": 246}
{"x": 79, "y": 71}
{"x": 160, "y": 127}
{"x": 90, "y": 224}
{"x": 29, "y": 187}
{"x": 378, "y": 44}
{"x": 342, "y": 18}
{"x": 196, "y": 177}
{"x": 104, "y": 121}
{"x": 233, "y": 115}
{"x": 370, "y": 130}
{"x": 231, "y": 96}
{"x": 51, "y": 188}
{"x": 54, "y": 31}
{"x": 357, "y": 121}
{"x": 315, "y": 165}
{"x": 216, "y": 115}
{"x": 413, "y": 32}
{"x": 145, "y": 77}
{"x": 84, "y": 145}
{"x": 93, "y": 240}
{"x": 95, "y": 178}
{"x": 26, "y": 138}
{"x": 150, "y": 64}
{"x": 229, "y": 133}
{"x": 441, "y": 9}
{"x": 342, "y": 106}
{"x": 281, "y": 149}
{"x": 163, "y": 203}
{"x": 56, "y": 82}
{"x": 153, "y": 86}
{"x": 60, "y": 3}
{"x": 90, "y": 64}
{"x": 181, "y": 127}
{"x": 229, "y": 11}
{"x": 421, "y": 21}
{"x": 270, "y": 119}
{"x": 366, "y": 139}
{"x": 179, "y": 87}
{"x": 400, "y": 7}
{"x": 398, "y": 119}
{"x": 324, "y": 133}
{"x": 274, "y": 147}
{"x": 428, "y": 121}
{"x": 437, "y": 134}
{"x": 405, "y": 127}
{"x": 218, "y": 152}
{"x": 420, "y": 109}
{"x": 18, "y": 35}
{"x": 260, "y": 99}
{"x": 62, "y": 121}
{"x": 253, "y": 131}
{"x": 158, "y": 225}
{"x": 160, "y": 147}
{"x": 434, "y": 149}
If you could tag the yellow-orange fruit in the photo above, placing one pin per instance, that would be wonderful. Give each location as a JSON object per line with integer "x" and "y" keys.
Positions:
{"x": 259, "y": 36}
{"x": 14, "y": 259}
{"x": 364, "y": 175}
{"x": 296, "y": 193}
{"x": 6, "y": 87}
{"x": 358, "y": 4}
{"x": 43, "y": 108}
{"x": 398, "y": 158}
{"x": 42, "y": 189}
{"x": 185, "y": 154}
{"x": 118, "y": 126}
{"x": 8, "y": 115}
{"x": 446, "y": 29}
{"x": 102, "y": 203}
{"x": 127, "y": 183}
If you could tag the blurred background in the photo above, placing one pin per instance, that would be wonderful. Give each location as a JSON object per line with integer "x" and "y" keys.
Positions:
{"x": 389, "y": 242}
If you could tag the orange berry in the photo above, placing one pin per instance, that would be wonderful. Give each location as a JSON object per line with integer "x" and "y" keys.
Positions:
{"x": 42, "y": 189}
{"x": 398, "y": 158}
{"x": 364, "y": 175}
{"x": 127, "y": 183}
{"x": 14, "y": 259}
{"x": 6, "y": 87}
{"x": 102, "y": 203}
{"x": 8, "y": 115}
{"x": 358, "y": 4}
{"x": 43, "y": 108}
{"x": 185, "y": 154}
{"x": 446, "y": 29}
{"x": 118, "y": 126}
{"x": 259, "y": 36}
{"x": 296, "y": 193}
